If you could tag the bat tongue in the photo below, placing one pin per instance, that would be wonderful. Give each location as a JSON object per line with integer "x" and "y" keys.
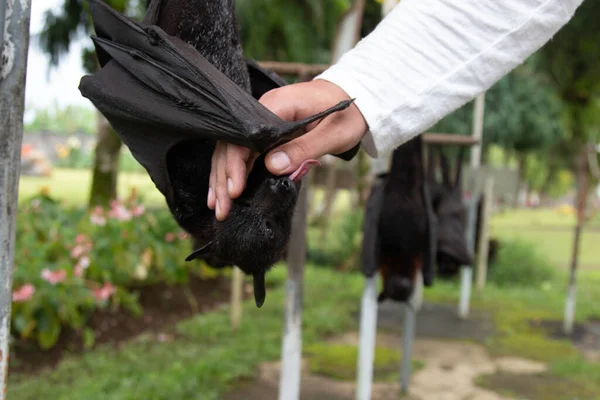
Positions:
{"x": 303, "y": 169}
{"x": 259, "y": 289}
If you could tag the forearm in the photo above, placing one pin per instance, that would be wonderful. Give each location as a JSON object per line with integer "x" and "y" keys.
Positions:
{"x": 429, "y": 57}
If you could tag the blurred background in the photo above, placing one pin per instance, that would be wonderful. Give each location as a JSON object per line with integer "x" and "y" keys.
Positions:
{"x": 104, "y": 307}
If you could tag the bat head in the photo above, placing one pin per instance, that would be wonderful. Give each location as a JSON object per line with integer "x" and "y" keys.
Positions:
{"x": 397, "y": 288}
{"x": 257, "y": 230}
{"x": 452, "y": 216}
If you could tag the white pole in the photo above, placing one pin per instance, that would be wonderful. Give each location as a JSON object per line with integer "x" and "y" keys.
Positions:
{"x": 367, "y": 339}
{"x": 407, "y": 346}
{"x": 466, "y": 272}
{"x": 15, "y": 22}
{"x": 291, "y": 353}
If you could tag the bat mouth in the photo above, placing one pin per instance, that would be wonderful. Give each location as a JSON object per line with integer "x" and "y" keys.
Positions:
{"x": 303, "y": 169}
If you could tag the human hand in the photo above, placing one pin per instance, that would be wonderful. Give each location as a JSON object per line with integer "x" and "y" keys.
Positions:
{"x": 334, "y": 134}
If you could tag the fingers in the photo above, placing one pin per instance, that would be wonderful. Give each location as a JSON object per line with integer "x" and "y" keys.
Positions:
{"x": 235, "y": 169}
{"x": 229, "y": 166}
{"x": 333, "y": 135}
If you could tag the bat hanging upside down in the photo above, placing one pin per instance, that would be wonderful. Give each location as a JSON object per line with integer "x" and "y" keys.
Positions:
{"x": 174, "y": 84}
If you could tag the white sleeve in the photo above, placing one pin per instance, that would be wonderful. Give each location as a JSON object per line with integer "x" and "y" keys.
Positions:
{"x": 429, "y": 57}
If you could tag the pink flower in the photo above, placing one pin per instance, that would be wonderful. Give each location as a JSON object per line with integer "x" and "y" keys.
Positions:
{"x": 78, "y": 271}
{"x": 119, "y": 212}
{"x": 170, "y": 236}
{"x": 104, "y": 292}
{"x": 183, "y": 235}
{"x": 53, "y": 277}
{"x": 77, "y": 251}
{"x": 81, "y": 238}
{"x": 82, "y": 264}
{"x": 24, "y": 293}
{"x": 97, "y": 217}
{"x": 138, "y": 210}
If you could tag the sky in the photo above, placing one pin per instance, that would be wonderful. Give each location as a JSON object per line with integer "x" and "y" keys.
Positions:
{"x": 46, "y": 85}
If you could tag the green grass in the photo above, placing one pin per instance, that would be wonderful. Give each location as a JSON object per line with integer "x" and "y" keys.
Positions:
{"x": 338, "y": 361}
{"x": 73, "y": 186}
{"x": 207, "y": 359}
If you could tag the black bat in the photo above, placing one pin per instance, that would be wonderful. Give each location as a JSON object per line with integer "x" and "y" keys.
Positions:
{"x": 174, "y": 84}
{"x": 447, "y": 199}
{"x": 399, "y": 234}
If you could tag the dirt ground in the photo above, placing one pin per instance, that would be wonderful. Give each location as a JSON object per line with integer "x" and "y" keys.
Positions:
{"x": 449, "y": 374}
{"x": 447, "y": 345}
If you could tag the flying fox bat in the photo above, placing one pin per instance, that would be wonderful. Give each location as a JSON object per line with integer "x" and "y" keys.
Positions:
{"x": 447, "y": 200}
{"x": 174, "y": 84}
{"x": 399, "y": 233}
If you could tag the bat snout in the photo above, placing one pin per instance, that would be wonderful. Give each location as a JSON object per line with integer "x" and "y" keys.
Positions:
{"x": 281, "y": 185}
{"x": 399, "y": 289}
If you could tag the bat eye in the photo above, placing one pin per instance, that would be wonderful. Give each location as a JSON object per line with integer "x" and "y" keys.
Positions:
{"x": 269, "y": 230}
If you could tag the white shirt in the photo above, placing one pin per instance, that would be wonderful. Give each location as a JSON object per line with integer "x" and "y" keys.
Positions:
{"x": 429, "y": 57}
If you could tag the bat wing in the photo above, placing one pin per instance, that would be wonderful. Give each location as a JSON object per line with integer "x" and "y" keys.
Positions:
{"x": 156, "y": 91}
{"x": 371, "y": 245}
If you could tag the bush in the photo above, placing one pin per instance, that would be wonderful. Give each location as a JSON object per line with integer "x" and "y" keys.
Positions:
{"x": 70, "y": 262}
{"x": 519, "y": 263}
{"x": 342, "y": 247}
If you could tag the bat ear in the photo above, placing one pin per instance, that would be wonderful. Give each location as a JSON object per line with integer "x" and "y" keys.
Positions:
{"x": 259, "y": 288}
{"x": 198, "y": 252}
{"x": 459, "y": 161}
{"x": 382, "y": 296}
{"x": 445, "y": 168}
{"x": 430, "y": 162}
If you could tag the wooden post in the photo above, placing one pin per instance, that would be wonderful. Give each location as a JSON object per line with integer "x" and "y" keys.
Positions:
{"x": 237, "y": 286}
{"x": 15, "y": 21}
{"x": 484, "y": 238}
{"x": 582, "y": 192}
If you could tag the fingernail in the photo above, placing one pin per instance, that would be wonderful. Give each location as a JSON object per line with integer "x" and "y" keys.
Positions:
{"x": 210, "y": 196}
{"x": 229, "y": 185}
{"x": 280, "y": 160}
{"x": 218, "y": 209}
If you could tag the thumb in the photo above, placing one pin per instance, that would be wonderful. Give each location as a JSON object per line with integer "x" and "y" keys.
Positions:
{"x": 314, "y": 144}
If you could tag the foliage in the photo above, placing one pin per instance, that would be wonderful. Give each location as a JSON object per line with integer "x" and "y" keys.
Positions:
{"x": 343, "y": 243}
{"x": 521, "y": 114}
{"x": 70, "y": 262}
{"x": 289, "y": 30}
{"x": 206, "y": 358}
{"x": 67, "y": 120}
{"x": 519, "y": 263}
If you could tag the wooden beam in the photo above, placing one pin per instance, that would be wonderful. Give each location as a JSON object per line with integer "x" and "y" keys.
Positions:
{"x": 287, "y": 68}
{"x": 447, "y": 138}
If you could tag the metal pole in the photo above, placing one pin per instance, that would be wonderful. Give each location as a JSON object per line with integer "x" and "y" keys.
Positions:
{"x": 407, "y": 345}
{"x": 477, "y": 130}
{"x": 291, "y": 354}
{"x": 367, "y": 339}
{"x": 466, "y": 271}
{"x": 12, "y": 104}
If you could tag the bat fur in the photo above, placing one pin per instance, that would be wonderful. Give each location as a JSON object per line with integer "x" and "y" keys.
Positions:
{"x": 255, "y": 234}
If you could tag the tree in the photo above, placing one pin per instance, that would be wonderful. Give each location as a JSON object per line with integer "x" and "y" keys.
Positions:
{"x": 522, "y": 116}
{"x": 60, "y": 30}
{"x": 289, "y": 30}
{"x": 570, "y": 62}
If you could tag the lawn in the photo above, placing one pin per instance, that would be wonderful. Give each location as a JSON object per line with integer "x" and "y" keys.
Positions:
{"x": 73, "y": 186}
{"x": 206, "y": 358}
